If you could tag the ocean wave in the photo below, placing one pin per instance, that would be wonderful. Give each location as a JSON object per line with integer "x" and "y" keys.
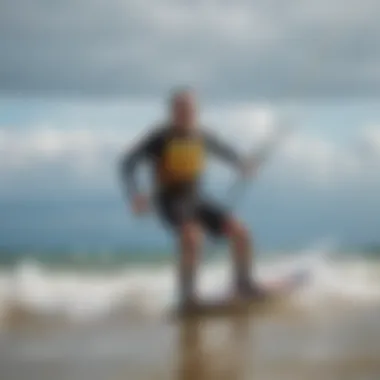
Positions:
{"x": 33, "y": 289}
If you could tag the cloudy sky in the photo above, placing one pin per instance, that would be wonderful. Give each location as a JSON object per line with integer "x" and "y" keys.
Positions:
{"x": 80, "y": 80}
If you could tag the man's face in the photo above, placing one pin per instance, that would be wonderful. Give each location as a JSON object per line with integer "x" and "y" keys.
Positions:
{"x": 184, "y": 112}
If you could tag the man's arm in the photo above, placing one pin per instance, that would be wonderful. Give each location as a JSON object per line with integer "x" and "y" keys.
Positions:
{"x": 130, "y": 160}
{"x": 218, "y": 147}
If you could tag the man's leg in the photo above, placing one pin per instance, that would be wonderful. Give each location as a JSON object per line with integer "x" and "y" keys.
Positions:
{"x": 218, "y": 221}
{"x": 242, "y": 252}
{"x": 190, "y": 241}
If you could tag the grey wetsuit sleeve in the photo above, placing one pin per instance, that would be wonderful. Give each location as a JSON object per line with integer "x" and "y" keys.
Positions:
{"x": 221, "y": 149}
{"x": 144, "y": 149}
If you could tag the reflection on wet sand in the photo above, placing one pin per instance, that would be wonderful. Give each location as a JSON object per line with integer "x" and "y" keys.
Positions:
{"x": 208, "y": 350}
{"x": 280, "y": 348}
{"x": 330, "y": 345}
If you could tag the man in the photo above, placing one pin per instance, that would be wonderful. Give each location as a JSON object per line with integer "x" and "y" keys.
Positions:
{"x": 177, "y": 152}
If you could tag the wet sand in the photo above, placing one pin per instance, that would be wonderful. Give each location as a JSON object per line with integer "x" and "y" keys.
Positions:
{"x": 334, "y": 343}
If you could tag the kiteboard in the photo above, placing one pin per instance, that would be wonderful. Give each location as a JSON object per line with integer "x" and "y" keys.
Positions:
{"x": 273, "y": 291}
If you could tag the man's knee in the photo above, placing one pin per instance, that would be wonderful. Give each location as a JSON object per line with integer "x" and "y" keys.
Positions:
{"x": 191, "y": 236}
{"x": 237, "y": 231}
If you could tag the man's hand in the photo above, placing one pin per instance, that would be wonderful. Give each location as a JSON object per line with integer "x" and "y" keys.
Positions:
{"x": 140, "y": 204}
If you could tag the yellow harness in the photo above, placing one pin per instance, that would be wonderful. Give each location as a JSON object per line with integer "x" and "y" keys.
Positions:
{"x": 183, "y": 159}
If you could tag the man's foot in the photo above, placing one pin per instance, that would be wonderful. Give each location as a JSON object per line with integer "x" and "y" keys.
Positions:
{"x": 250, "y": 290}
{"x": 188, "y": 304}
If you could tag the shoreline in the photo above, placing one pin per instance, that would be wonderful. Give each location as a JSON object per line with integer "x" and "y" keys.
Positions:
{"x": 275, "y": 346}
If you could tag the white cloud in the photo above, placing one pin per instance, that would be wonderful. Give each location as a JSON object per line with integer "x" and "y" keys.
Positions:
{"x": 81, "y": 151}
{"x": 370, "y": 140}
{"x": 299, "y": 156}
{"x": 247, "y": 125}
{"x": 89, "y": 155}
{"x": 317, "y": 160}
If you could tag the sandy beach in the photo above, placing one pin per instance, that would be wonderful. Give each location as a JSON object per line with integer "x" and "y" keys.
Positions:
{"x": 286, "y": 344}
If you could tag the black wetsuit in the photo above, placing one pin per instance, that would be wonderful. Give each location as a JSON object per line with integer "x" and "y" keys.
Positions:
{"x": 178, "y": 161}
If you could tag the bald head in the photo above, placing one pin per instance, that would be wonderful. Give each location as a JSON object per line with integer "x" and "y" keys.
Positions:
{"x": 183, "y": 109}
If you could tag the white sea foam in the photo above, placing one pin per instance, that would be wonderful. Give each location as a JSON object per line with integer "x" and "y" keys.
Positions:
{"x": 82, "y": 296}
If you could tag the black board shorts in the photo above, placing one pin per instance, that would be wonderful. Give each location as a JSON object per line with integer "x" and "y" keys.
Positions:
{"x": 175, "y": 210}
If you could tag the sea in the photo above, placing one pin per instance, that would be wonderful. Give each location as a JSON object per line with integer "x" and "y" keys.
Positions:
{"x": 80, "y": 285}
